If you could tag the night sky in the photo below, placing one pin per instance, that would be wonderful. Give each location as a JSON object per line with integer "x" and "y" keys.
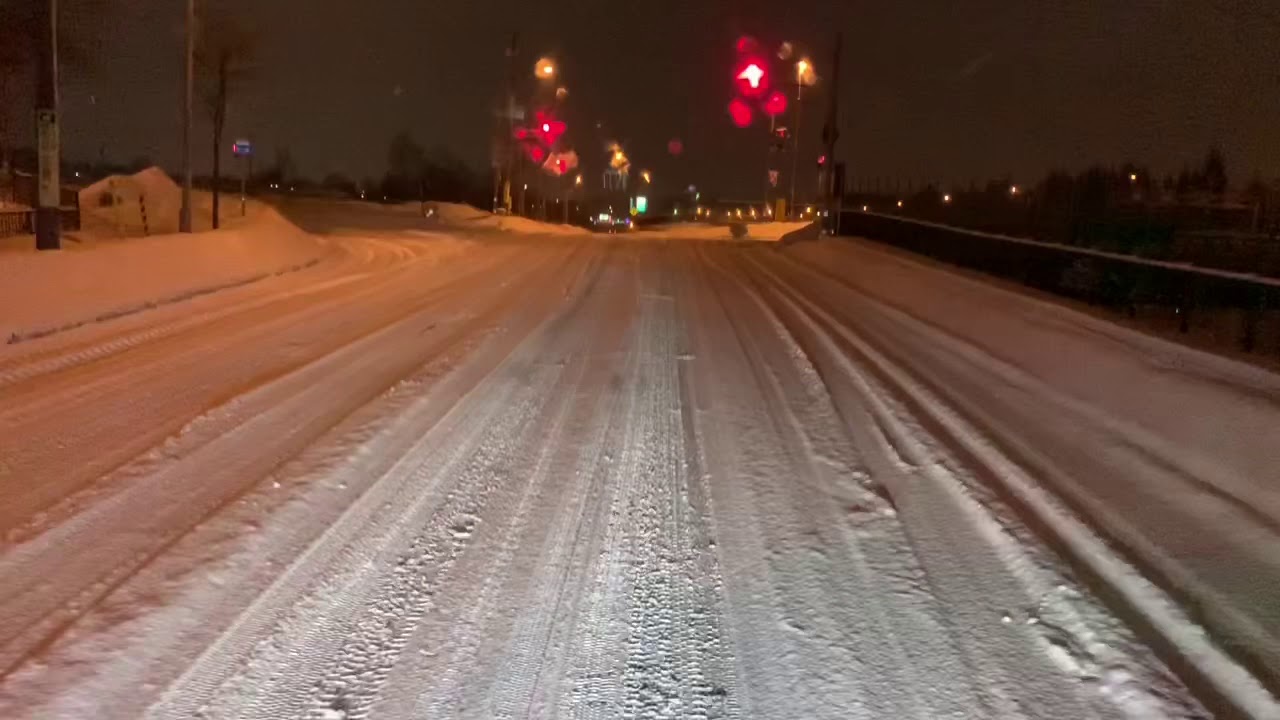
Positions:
{"x": 948, "y": 91}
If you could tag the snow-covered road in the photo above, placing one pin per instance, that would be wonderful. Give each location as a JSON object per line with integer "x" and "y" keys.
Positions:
{"x": 504, "y": 476}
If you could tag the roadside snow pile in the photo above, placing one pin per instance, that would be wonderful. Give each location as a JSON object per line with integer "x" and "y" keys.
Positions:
{"x": 43, "y": 293}
{"x": 145, "y": 203}
{"x": 457, "y": 213}
{"x": 771, "y": 231}
{"x": 512, "y": 223}
{"x": 464, "y": 216}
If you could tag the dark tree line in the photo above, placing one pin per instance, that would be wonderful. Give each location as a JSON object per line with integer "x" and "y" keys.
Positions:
{"x": 437, "y": 174}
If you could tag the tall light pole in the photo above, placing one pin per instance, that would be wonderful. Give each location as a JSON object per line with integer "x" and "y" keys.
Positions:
{"x": 184, "y": 216}
{"x": 48, "y": 218}
{"x": 831, "y": 186}
{"x": 508, "y": 143}
{"x": 803, "y": 68}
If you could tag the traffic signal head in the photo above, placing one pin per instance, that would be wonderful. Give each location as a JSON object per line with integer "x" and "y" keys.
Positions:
{"x": 776, "y": 103}
{"x": 751, "y": 78}
{"x": 740, "y": 112}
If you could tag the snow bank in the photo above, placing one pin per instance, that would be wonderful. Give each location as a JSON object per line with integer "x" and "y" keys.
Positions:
{"x": 770, "y": 231}
{"x": 145, "y": 203}
{"x": 356, "y": 217}
{"x": 94, "y": 280}
{"x": 464, "y": 216}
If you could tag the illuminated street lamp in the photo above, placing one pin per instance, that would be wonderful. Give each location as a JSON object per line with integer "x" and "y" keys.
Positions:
{"x": 946, "y": 198}
{"x": 802, "y": 69}
{"x": 647, "y": 177}
{"x": 804, "y": 76}
{"x": 544, "y": 69}
{"x": 899, "y": 203}
{"x": 1013, "y": 190}
{"x": 577, "y": 180}
{"x": 1133, "y": 177}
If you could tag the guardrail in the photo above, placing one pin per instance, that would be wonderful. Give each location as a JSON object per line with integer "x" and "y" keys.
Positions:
{"x": 22, "y": 221}
{"x": 15, "y": 222}
{"x": 1244, "y": 306}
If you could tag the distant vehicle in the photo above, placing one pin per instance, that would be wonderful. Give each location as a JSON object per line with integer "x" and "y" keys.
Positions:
{"x": 606, "y": 222}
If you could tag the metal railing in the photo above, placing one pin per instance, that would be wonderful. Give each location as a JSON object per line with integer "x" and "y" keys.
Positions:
{"x": 1244, "y": 306}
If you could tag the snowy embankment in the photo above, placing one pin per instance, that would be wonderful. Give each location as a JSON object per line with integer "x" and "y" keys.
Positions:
{"x": 96, "y": 278}
{"x": 465, "y": 216}
{"x": 772, "y": 231}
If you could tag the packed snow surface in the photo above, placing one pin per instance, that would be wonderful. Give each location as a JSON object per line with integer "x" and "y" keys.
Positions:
{"x": 392, "y": 465}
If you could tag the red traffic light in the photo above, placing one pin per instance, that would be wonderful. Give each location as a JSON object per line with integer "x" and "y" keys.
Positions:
{"x": 776, "y": 103}
{"x": 740, "y": 112}
{"x": 751, "y": 78}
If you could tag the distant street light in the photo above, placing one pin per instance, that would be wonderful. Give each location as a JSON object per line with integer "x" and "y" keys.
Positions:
{"x": 545, "y": 69}
{"x": 804, "y": 76}
{"x": 647, "y": 177}
{"x": 946, "y": 198}
{"x": 1013, "y": 189}
{"x": 1133, "y": 177}
{"x": 864, "y": 208}
{"x": 899, "y": 203}
{"x": 577, "y": 180}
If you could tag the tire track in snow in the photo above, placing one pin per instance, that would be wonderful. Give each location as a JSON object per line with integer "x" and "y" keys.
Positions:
{"x": 1015, "y": 674}
{"x": 37, "y": 606}
{"x": 1068, "y": 638}
{"x": 469, "y": 654}
{"x": 143, "y": 635}
{"x": 385, "y": 574}
{"x": 170, "y": 382}
{"x": 887, "y": 622}
{"x": 641, "y": 646}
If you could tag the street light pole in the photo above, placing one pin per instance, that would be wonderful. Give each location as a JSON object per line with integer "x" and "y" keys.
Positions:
{"x": 48, "y": 218}
{"x": 184, "y": 217}
{"x": 795, "y": 159}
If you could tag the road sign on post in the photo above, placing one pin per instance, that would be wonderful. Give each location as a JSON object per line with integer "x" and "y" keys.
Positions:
{"x": 243, "y": 149}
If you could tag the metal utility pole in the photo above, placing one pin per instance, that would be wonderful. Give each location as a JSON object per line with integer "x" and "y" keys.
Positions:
{"x": 509, "y": 98}
{"x": 184, "y": 217}
{"x": 795, "y": 159}
{"x": 831, "y": 187}
{"x": 48, "y": 218}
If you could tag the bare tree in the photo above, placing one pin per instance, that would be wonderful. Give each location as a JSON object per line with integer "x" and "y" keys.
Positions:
{"x": 224, "y": 51}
